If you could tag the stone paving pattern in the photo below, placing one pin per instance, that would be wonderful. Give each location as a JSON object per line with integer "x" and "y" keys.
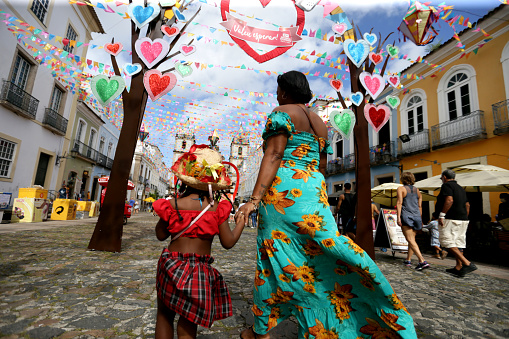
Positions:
{"x": 52, "y": 286}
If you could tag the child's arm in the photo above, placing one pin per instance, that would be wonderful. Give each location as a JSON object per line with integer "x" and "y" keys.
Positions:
{"x": 162, "y": 232}
{"x": 230, "y": 237}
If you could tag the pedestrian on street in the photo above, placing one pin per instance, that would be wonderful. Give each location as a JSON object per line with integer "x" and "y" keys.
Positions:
{"x": 453, "y": 205}
{"x": 503, "y": 207}
{"x": 253, "y": 217}
{"x": 434, "y": 237}
{"x": 345, "y": 209}
{"x": 136, "y": 207}
{"x": 304, "y": 267}
{"x": 409, "y": 207}
{"x": 186, "y": 283}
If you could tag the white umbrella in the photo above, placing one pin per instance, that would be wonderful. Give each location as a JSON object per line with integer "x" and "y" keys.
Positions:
{"x": 386, "y": 194}
{"x": 477, "y": 168}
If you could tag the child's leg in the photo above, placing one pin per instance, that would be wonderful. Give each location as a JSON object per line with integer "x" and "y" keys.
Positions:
{"x": 186, "y": 329}
{"x": 164, "y": 321}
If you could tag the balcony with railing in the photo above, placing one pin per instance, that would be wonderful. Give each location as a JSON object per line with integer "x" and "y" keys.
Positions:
{"x": 383, "y": 154}
{"x": 466, "y": 128}
{"x": 84, "y": 151}
{"x": 54, "y": 121}
{"x": 341, "y": 165}
{"x": 104, "y": 161}
{"x": 501, "y": 117}
{"x": 419, "y": 142}
{"x": 17, "y": 100}
{"x": 109, "y": 163}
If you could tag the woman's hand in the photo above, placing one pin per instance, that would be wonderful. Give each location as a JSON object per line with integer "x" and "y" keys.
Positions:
{"x": 244, "y": 211}
{"x": 399, "y": 223}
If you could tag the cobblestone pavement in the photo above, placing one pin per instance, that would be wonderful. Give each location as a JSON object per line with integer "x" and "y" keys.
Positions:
{"x": 52, "y": 286}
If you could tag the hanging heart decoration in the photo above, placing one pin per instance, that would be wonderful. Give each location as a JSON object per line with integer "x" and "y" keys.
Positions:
{"x": 183, "y": 70}
{"x": 264, "y": 2}
{"x": 167, "y": 3}
{"x": 132, "y": 69}
{"x": 356, "y": 98}
{"x": 393, "y": 101}
{"x": 373, "y": 83}
{"x": 158, "y": 84}
{"x": 375, "y": 58}
{"x": 151, "y": 52}
{"x": 187, "y": 49}
{"x": 113, "y": 49}
{"x": 106, "y": 89}
{"x": 340, "y": 28}
{"x": 377, "y": 116}
{"x": 143, "y": 15}
{"x": 285, "y": 38}
{"x": 178, "y": 14}
{"x": 336, "y": 84}
{"x": 393, "y": 80}
{"x": 357, "y": 52}
{"x": 370, "y": 38}
{"x": 170, "y": 31}
{"x": 343, "y": 122}
{"x": 392, "y": 50}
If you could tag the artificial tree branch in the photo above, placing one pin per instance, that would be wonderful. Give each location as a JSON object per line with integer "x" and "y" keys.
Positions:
{"x": 114, "y": 61}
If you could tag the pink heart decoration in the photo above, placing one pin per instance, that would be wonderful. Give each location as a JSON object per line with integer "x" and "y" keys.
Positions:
{"x": 113, "y": 49}
{"x": 393, "y": 80}
{"x": 373, "y": 83}
{"x": 339, "y": 28}
{"x": 336, "y": 84}
{"x": 264, "y": 2}
{"x": 377, "y": 116}
{"x": 277, "y": 51}
{"x": 187, "y": 49}
{"x": 151, "y": 52}
{"x": 376, "y": 58}
{"x": 158, "y": 84}
{"x": 170, "y": 31}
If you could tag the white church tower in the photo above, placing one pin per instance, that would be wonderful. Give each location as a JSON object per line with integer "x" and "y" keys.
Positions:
{"x": 239, "y": 151}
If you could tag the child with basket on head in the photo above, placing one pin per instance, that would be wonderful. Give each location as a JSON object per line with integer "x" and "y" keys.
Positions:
{"x": 187, "y": 284}
{"x": 435, "y": 242}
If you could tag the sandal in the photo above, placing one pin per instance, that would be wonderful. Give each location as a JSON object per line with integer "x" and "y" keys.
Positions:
{"x": 252, "y": 330}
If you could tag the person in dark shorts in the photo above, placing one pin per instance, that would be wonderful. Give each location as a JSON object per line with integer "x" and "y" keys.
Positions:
{"x": 409, "y": 207}
{"x": 345, "y": 210}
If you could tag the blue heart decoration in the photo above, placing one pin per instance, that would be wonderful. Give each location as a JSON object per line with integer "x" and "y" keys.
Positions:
{"x": 370, "y": 38}
{"x": 179, "y": 15}
{"x": 142, "y": 13}
{"x": 356, "y": 98}
{"x": 132, "y": 69}
{"x": 357, "y": 52}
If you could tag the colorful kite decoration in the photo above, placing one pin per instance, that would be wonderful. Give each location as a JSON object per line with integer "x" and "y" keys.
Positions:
{"x": 417, "y": 24}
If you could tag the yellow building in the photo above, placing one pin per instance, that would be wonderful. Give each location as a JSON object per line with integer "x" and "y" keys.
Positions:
{"x": 457, "y": 114}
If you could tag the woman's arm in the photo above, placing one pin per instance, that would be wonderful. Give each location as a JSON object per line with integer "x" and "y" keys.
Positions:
{"x": 323, "y": 163}
{"x": 399, "y": 203}
{"x": 419, "y": 195}
{"x": 162, "y": 232}
{"x": 230, "y": 237}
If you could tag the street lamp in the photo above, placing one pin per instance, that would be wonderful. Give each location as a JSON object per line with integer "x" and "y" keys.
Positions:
{"x": 404, "y": 138}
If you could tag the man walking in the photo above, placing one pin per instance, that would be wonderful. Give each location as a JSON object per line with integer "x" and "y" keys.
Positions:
{"x": 453, "y": 206}
{"x": 345, "y": 209}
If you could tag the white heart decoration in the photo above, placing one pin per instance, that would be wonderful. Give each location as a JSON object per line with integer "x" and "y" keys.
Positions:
{"x": 106, "y": 89}
{"x": 132, "y": 69}
{"x": 340, "y": 28}
{"x": 373, "y": 83}
{"x": 187, "y": 49}
{"x": 167, "y": 3}
{"x": 393, "y": 80}
{"x": 370, "y": 38}
{"x": 377, "y": 116}
{"x": 356, "y": 98}
{"x": 151, "y": 52}
{"x": 143, "y": 15}
{"x": 343, "y": 122}
{"x": 357, "y": 52}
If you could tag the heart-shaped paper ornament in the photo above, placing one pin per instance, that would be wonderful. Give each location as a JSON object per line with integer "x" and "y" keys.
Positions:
{"x": 370, "y": 38}
{"x": 143, "y": 15}
{"x": 357, "y": 52}
{"x": 376, "y": 58}
{"x": 113, "y": 49}
{"x": 167, "y": 3}
{"x": 271, "y": 54}
{"x": 340, "y": 28}
{"x": 393, "y": 80}
{"x": 132, "y": 69}
{"x": 377, "y": 116}
{"x": 373, "y": 83}
{"x": 356, "y": 98}
{"x": 393, "y": 101}
{"x": 106, "y": 89}
{"x": 151, "y": 52}
{"x": 178, "y": 14}
{"x": 264, "y": 2}
{"x": 187, "y": 49}
{"x": 158, "y": 84}
{"x": 336, "y": 84}
{"x": 170, "y": 31}
{"x": 392, "y": 50}
{"x": 183, "y": 70}
{"x": 343, "y": 122}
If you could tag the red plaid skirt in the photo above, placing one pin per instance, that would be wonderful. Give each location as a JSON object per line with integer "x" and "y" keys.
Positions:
{"x": 189, "y": 286}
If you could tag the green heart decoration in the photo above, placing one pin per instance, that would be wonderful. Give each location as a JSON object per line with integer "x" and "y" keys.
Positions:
{"x": 393, "y": 101}
{"x": 183, "y": 70}
{"x": 343, "y": 122}
{"x": 392, "y": 50}
{"x": 106, "y": 89}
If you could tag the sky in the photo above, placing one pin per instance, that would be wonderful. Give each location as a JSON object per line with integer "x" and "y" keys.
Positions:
{"x": 218, "y": 97}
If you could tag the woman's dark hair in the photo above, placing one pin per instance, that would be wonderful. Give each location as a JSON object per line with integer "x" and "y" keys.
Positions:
{"x": 296, "y": 86}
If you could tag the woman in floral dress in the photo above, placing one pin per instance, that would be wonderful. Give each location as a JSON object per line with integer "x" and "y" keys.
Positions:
{"x": 304, "y": 267}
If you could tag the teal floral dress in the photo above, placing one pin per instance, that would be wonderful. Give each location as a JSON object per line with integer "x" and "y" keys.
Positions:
{"x": 304, "y": 267}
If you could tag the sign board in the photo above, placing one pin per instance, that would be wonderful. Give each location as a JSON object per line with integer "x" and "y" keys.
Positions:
{"x": 140, "y": 192}
{"x": 5, "y": 200}
{"x": 388, "y": 233}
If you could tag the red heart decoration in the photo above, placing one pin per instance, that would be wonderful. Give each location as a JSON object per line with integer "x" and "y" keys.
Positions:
{"x": 301, "y": 19}
{"x": 113, "y": 49}
{"x": 169, "y": 31}
{"x": 336, "y": 84}
{"x": 377, "y": 116}
{"x": 158, "y": 84}
{"x": 375, "y": 58}
{"x": 265, "y": 2}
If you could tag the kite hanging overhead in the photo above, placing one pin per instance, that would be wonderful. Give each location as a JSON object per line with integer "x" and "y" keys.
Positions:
{"x": 417, "y": 23}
